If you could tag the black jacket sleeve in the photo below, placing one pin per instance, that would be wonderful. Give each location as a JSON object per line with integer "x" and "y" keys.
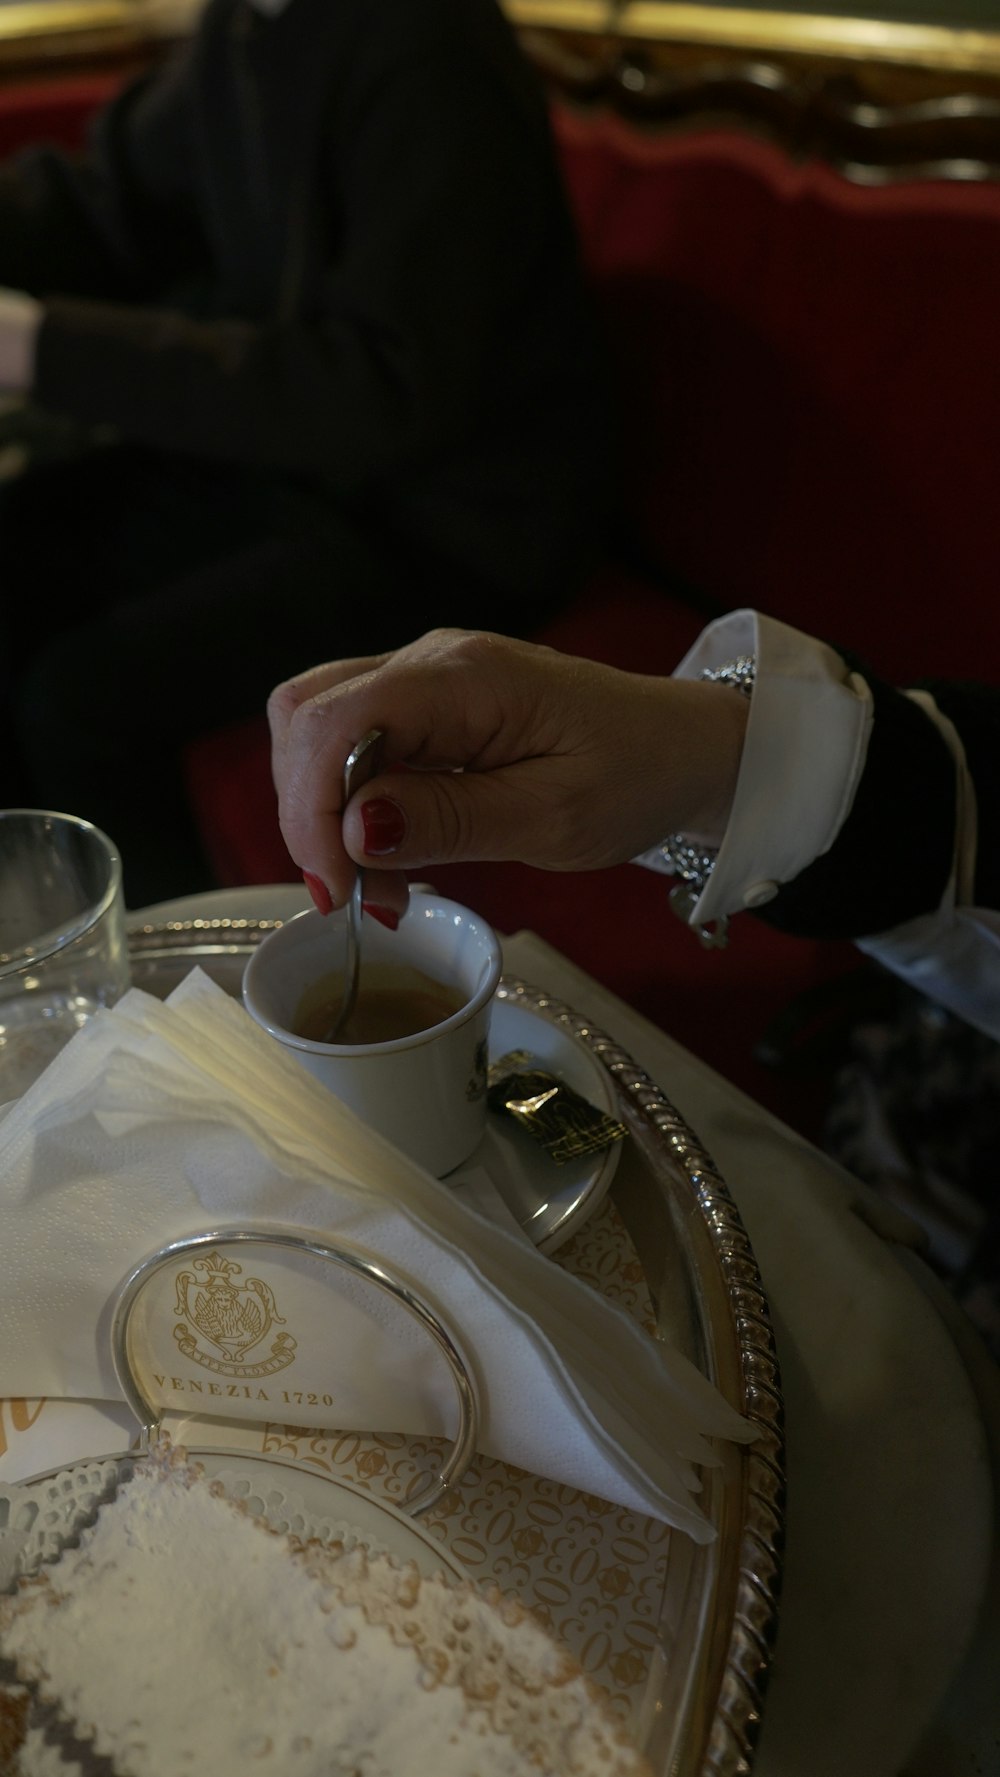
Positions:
{"x": 893, "y": 856}
{"x": 103, "y": 224}
{"x": 423, "y": 235}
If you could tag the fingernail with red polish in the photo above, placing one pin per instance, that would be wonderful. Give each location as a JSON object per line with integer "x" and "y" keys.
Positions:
{"x": 319, "y": 892}
{"x": 385, "y": 826}
{"x": 386, "y": 916}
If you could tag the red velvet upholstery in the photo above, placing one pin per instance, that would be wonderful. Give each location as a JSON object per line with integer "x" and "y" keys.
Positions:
{"x": 55, "y": 111}
{"x": 810, "y": 383}
{"x": 810, "y": 404}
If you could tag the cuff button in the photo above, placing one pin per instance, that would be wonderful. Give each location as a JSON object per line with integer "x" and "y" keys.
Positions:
{"x": 758, "y": 893}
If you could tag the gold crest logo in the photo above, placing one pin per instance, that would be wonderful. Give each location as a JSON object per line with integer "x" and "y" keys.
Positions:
{"x": 232, "y": 1318}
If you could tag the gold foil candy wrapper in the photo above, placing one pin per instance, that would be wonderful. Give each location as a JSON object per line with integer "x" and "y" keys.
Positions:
{"x": 565, "y": 1124}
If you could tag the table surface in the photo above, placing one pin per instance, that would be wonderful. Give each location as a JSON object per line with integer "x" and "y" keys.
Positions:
{"x": 889, "y": 1641}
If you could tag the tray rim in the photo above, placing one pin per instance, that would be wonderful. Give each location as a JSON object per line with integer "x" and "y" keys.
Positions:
{"x": 742, "y": 1360}
{"x": 722, "y": 1698}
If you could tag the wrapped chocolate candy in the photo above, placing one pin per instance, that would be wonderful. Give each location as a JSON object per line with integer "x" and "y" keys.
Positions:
{"x": 564, "y": 1123}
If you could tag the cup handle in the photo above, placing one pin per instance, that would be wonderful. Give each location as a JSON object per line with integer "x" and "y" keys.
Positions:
{"x": 348, "y": 1259}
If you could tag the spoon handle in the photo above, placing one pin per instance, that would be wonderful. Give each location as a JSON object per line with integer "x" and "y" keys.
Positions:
{"x": 361, "y": 764}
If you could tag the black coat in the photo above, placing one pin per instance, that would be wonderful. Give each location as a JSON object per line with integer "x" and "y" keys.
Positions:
{"x": 332, "y": 245}
{"x": 893, "y": 856}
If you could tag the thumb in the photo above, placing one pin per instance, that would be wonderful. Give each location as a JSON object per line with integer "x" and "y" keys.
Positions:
{"x": 413, "y": 819}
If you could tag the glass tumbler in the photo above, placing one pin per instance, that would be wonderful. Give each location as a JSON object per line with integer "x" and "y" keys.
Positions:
{"x": 63, "y": 947}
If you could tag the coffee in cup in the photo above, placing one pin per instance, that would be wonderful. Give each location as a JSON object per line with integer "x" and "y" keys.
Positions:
{"x": 394, "y": 1000}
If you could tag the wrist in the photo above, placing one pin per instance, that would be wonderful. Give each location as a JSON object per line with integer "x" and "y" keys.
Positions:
{"x": 690, "y": 853}
{"x": 714, "y": 729}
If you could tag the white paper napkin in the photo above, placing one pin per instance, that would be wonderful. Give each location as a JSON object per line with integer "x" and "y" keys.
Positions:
{"x": 165, "y": 1119}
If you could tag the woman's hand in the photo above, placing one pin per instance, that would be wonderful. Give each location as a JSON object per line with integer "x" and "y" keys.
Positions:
{"x": 495, "y": 749}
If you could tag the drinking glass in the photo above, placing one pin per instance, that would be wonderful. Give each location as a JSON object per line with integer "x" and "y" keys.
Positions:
{"x": 63, "y": 948}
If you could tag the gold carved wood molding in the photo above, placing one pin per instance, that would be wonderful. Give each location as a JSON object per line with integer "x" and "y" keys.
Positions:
{"x": 879, "y": 101}
{"x": 753, "y": 29}
{"x": 40, "y": 37}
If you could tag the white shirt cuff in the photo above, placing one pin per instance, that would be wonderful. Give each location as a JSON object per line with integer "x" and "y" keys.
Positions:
{"x": 806, "y": 744}
{"x": 806, "y": 741}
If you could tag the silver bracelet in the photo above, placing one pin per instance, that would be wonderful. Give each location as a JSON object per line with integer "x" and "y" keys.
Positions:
{"x": 694, "y": 863}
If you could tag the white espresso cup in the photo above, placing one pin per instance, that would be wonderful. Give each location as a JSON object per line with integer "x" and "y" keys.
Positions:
{"x": 425, "y": 1092}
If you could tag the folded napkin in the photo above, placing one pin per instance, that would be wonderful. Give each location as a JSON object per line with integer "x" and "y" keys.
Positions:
{"x": 164, "y": 1119}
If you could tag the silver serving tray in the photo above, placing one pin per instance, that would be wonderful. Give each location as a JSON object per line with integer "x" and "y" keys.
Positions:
{"x": 720, "y": 1602}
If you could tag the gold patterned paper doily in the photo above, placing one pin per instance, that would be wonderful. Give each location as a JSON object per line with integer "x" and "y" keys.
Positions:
{"x": 593, "y": 1572}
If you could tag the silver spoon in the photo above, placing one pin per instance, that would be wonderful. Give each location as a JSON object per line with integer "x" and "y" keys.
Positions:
{"x": 360, "y": 765}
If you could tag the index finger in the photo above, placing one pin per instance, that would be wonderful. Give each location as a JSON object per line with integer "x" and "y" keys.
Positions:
{"x": 289, "y": 696}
